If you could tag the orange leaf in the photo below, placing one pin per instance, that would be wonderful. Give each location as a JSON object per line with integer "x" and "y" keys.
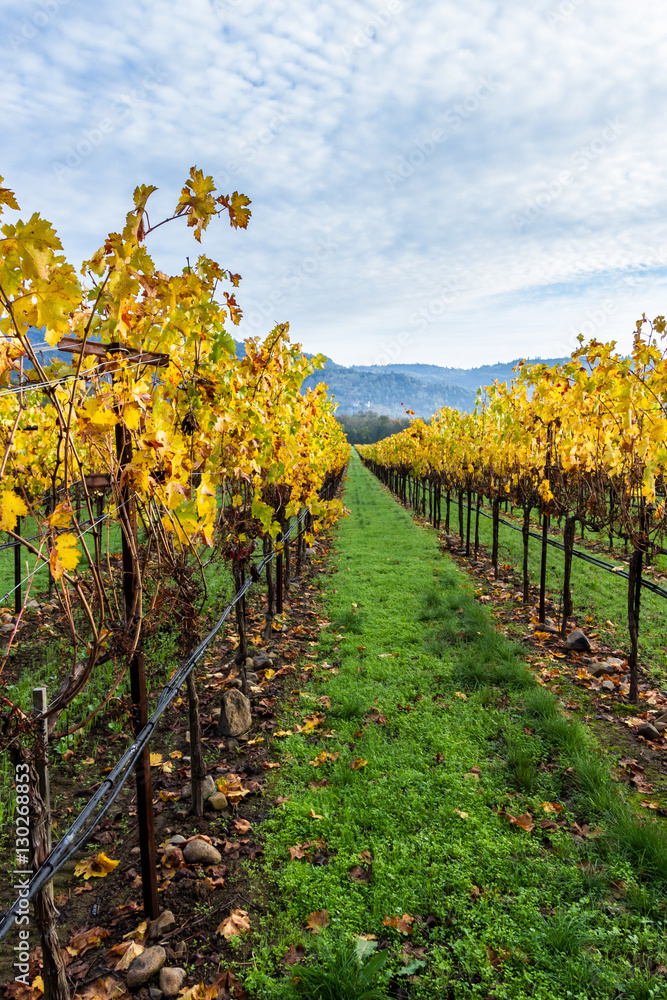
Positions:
{"x": 525, "y": 821}
{"x": 359, "y": 762}
{"x": 317, "y": 921}
{"x": 236, "y": 923}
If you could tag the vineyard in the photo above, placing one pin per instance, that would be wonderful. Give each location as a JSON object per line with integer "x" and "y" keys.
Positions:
{"x": 579, "y": 443}
{"x": 124, "y": 475}
{"x": 190, "y": 542}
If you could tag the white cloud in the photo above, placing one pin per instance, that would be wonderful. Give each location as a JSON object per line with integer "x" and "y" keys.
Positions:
{"x": 311, "y": 109}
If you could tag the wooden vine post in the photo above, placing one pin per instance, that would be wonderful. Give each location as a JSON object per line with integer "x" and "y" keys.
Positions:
{"x": 53, "y": 965}
{"x": 127, "y": 514}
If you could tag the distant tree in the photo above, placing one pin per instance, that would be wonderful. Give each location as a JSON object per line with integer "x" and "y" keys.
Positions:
{"x": 367, "y": 426}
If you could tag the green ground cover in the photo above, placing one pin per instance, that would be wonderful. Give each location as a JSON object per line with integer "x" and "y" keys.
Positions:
{"x": 451, "y": 737}
{"x": 595, "y": 592}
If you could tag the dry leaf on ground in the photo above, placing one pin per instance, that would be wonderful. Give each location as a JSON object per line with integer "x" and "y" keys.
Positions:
{"x": 236, "y": 923}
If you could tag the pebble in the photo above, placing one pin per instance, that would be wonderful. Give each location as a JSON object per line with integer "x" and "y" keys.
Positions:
{"x": 577, "y": 641}
{"x": 161, "y": 925}
{"x": 608, "y": 686}
{"x": 178, "y": 838}
{"x": 262, "y": 661}
{"x": 154, "y": 993}
{"x": 145, "y": 965}
{"x": 217, "y": 801}
{"x": 171, "y": 981}
{"x": 199, "y": 852}
{"x": 235, "y": 717}
{"x": 208, "y": 786}
{"x": 648, "y": 731}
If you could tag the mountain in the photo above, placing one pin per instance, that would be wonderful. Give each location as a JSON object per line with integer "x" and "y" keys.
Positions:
{"x": 392, "y": 389}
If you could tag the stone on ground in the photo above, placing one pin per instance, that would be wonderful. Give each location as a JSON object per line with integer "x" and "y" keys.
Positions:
{"x": 235, "y": 717}
{"x": 145, "y": 965}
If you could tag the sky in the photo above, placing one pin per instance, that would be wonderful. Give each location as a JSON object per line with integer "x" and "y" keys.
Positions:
{"x": 452, "y": 183}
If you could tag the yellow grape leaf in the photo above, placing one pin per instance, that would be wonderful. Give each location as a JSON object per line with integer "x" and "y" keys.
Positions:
{"x": 61, "y": 516}
{"x": 98, "y": 867}
{"x": 359, "y": 762}
{"x": 100, "y": 415}
{"x": 236, "y": 923}
{"x": 11, "y": 508}
{"x": 176, "y": 754}
{"x": 65, "y": 555}
{"x": 155, "y": 759}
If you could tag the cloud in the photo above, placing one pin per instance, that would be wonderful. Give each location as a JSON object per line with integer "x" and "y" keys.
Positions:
{"x": 312, "y": 110}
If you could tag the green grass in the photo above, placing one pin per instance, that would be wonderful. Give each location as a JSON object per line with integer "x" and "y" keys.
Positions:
{"x": 499, "y": 911}
{"x": 595, "y": 591}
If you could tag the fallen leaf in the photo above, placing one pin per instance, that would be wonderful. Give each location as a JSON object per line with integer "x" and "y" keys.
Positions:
{"x": 359, "y": 762}
{"x": 463, "y": 815}
{"x": 81, "y": 941}
{"x": 98, "y": 867}
{"x": 236, "y": 923}
{"x": 155, "y": 759}
{"x": 402, "y": 924}
{"x": 317, "y": 921}
{"x": 314, "y": 815}
{"x": 132, "y": 949}
{"x": 649, "y": 804}
{"x": 525, "y": 821}
{"x": 323, "y": 757}
{"x": 269, "y": 765}
{"x": 460, "y": 694}
{"x": 242, "y": 825}
{"x": 551, "y": 807}
{"x": 361, "y": 873}
{"x": 294, "y": 955}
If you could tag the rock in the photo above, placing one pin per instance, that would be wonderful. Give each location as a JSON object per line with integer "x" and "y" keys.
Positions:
{"x": 648, "y": 731}
{"x": 161, "y": 926}
{"x": 145, "y": 965}
{"x": 208, "y": 786}
{"x": 313, "y": 552}
{"x": 232, "y": 744}
{"x": 598, "y": 669}
{"x": 235, "y": 717}
{"x": 262, "y": 661}
{"x": 178, "y": 839}
{"x": 217, "y": 801}
{"x": 186, "y": 792}
{"x": 135, "y": 850}
{"x": 186, "y": 760}
{"x": 607, "y": 686}
{"x": 551, "y": 629}
{"x": 171, "y": 980}
{"x": 660, "y": 726}
{"x": 199, "y": 852}
{"x": 215, "y": 715}
{"x": 661, "y": 718}
{"x": 154, "y": 993}
{"x": 249, "y": 663}
{"x": 32, "y": 604}
{"x": 250, "y": 677}
{"x": 577, "y": 641}
{"x": 234, "y": 683}
{"x": 181, "y": 948}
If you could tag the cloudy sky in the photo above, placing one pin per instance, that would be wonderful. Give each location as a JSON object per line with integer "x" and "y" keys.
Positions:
{"x": 456, "y": 183}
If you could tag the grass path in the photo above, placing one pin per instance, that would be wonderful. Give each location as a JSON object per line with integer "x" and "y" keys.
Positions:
{"x": 450, "y": 738}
